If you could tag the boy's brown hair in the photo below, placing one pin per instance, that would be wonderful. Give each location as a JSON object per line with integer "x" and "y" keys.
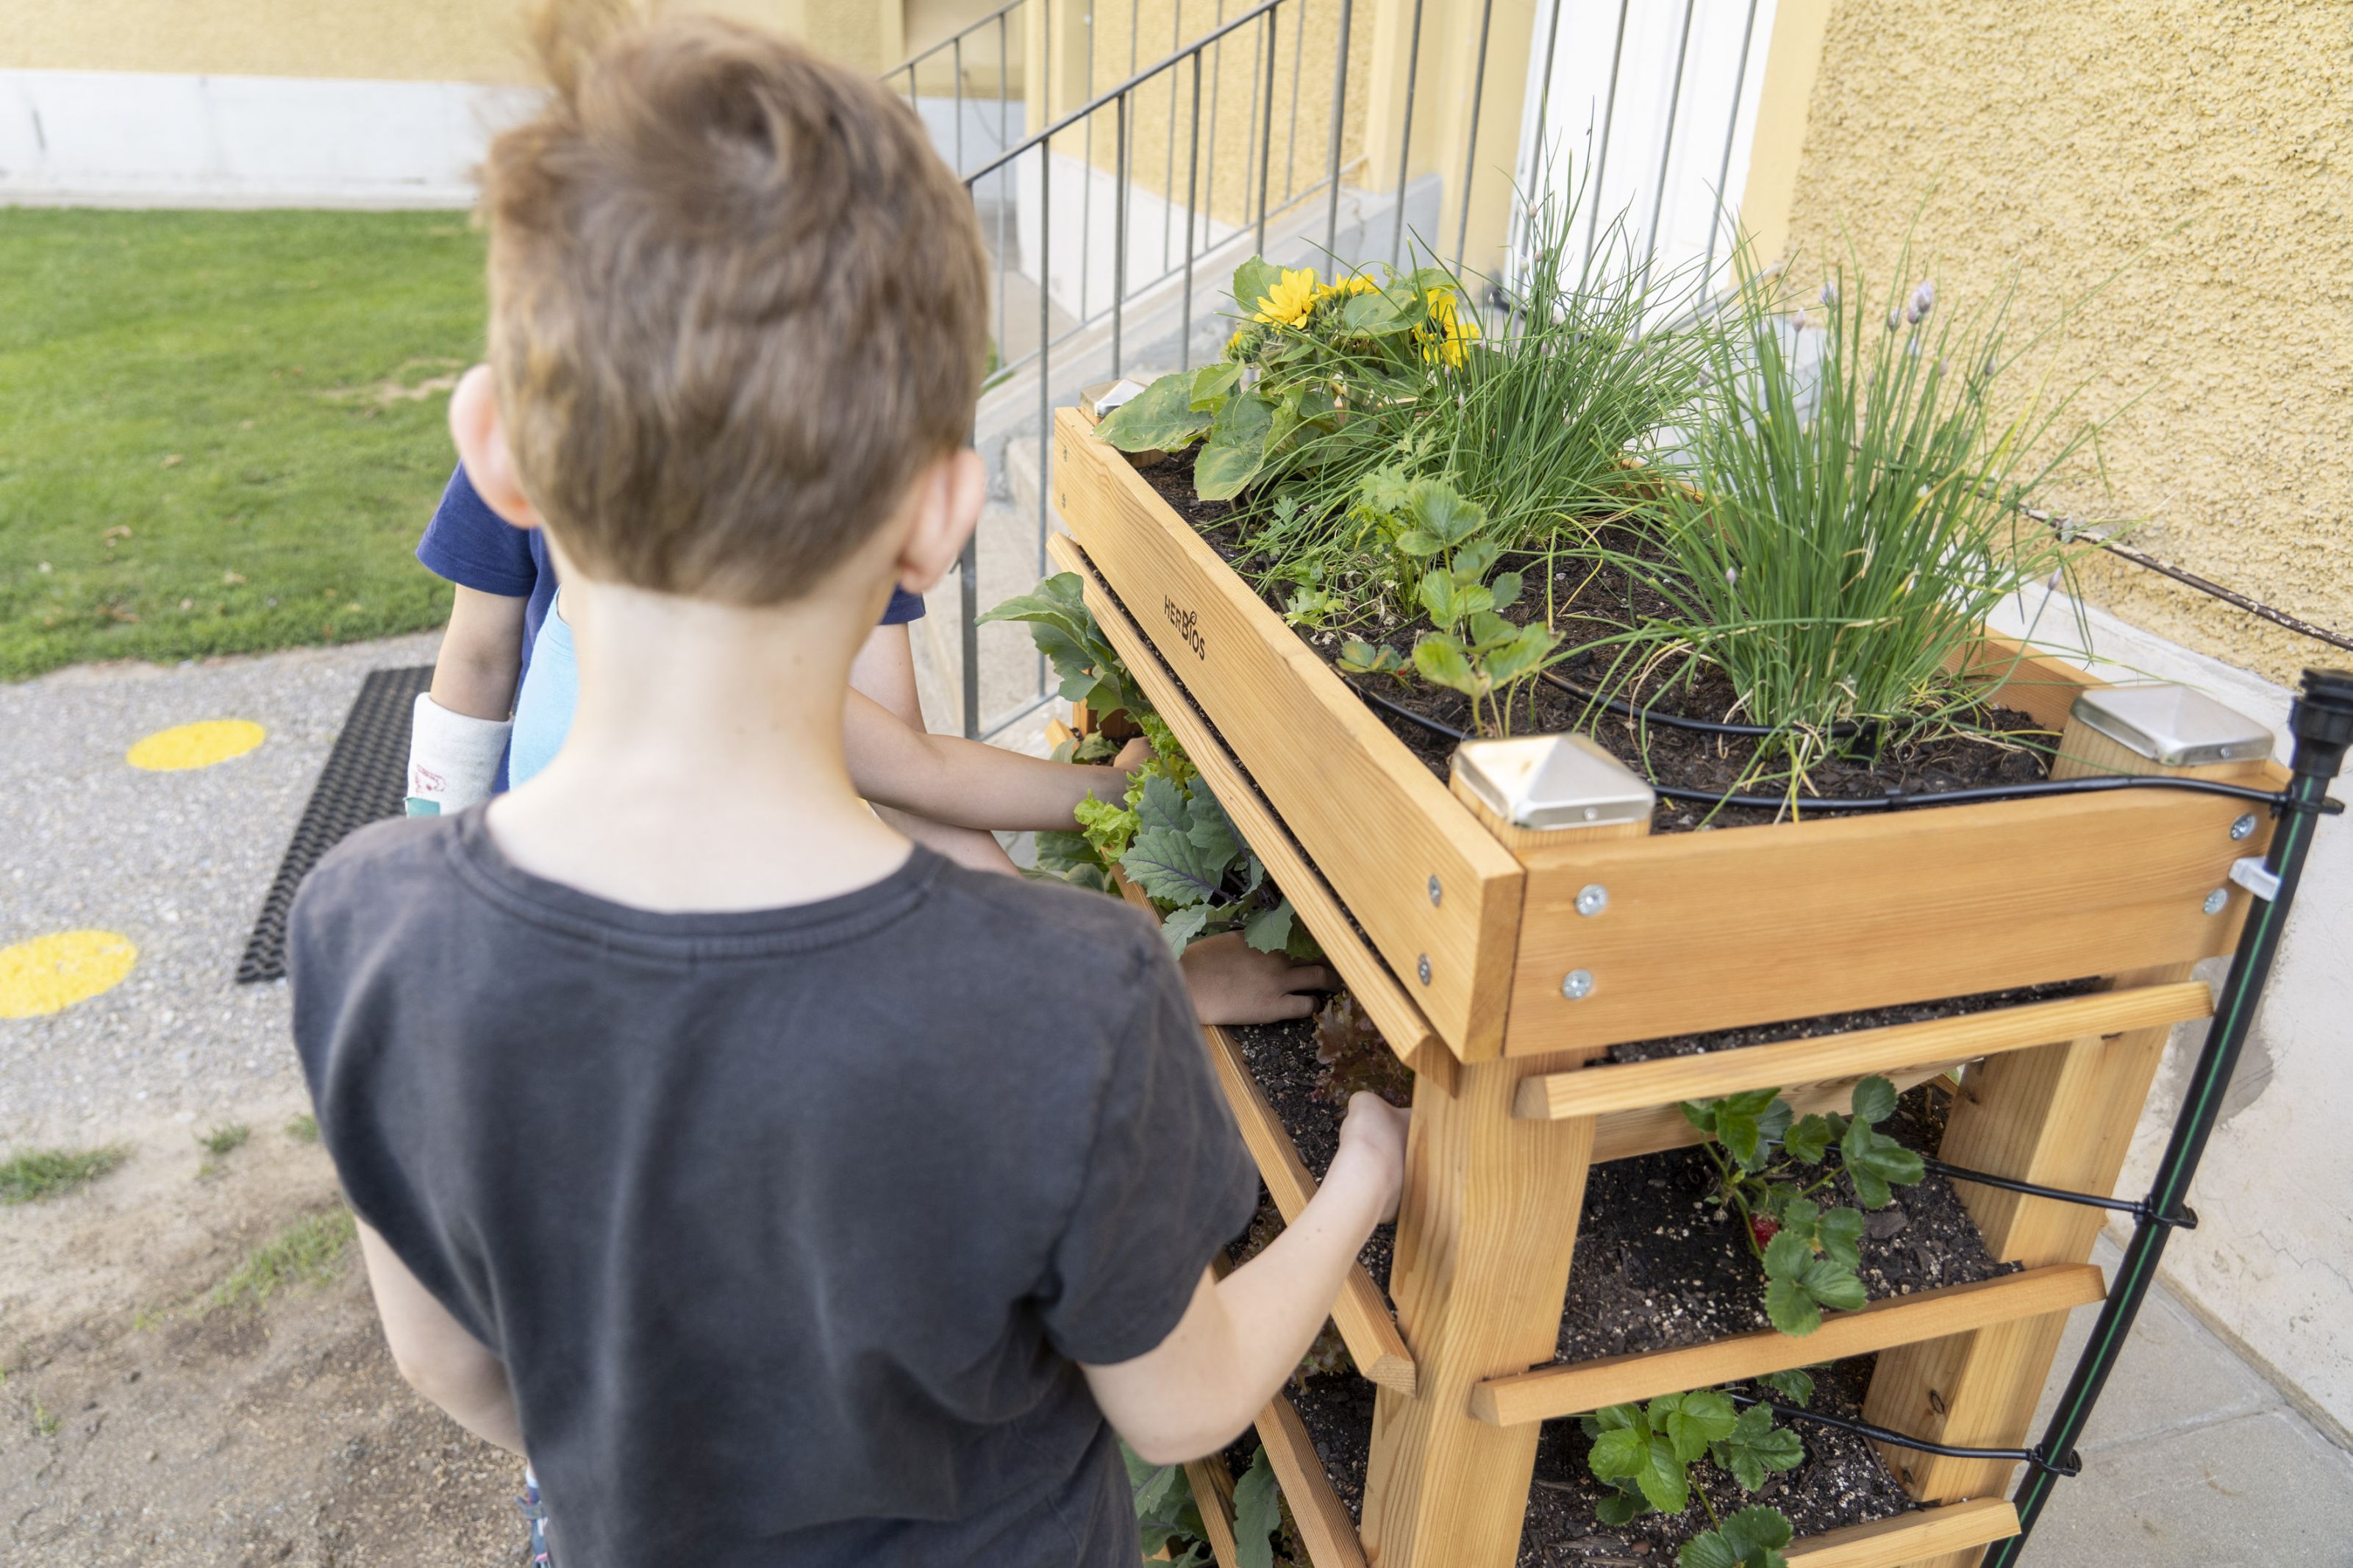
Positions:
{"x": 736, "y": 303}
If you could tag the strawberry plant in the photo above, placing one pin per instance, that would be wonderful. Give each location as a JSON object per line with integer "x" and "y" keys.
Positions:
{"x": 1646, "y": 1452}
{"x": 1772, "y": 1164}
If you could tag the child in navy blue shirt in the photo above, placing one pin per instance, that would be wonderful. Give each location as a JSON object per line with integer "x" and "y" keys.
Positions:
{"x": 950, "y": 792}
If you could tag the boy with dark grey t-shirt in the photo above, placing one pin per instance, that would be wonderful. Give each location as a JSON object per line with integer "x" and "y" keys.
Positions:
{"x": 808, "y": 1212}
{"x": 790, "y": 1196}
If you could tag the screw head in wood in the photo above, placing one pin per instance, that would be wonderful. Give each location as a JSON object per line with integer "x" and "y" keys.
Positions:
{"x": 2244, "y": 826}
{"x": 1577, "y": 985}
{"x": 1422, "y": 968}
{"x": 2215, "y": 900}
{"x": 1592, "y": 898}
{"x": 1436, "y": 892}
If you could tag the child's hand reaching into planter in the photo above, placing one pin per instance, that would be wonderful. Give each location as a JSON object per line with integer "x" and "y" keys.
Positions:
{"x": 1232, "y": 983}
{"x": 1242, "y": 1336}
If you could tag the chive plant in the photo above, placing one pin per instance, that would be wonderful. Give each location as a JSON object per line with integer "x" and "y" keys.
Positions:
{"x": 1854, "y": 509}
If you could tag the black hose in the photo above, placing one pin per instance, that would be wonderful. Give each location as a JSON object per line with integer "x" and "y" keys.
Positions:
{"x": 2071, "y": 1465}
{"x": 1844, "y": 729}
{"x": 1898, "y": 800}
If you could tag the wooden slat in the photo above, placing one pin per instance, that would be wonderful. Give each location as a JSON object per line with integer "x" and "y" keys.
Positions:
{"x": 1579, "y": 1386}
{"x": 1362, "y": 1312}
{"x": 1600, "y": 1090}
{"x": 1623, "y": 1134}
{"x": 1341, "y": 782}
{"x": 2041, "y": 685}
{"x": 1396, "y": 1014}
{"x": 1710, "y": 931}
{"x": 1213, "y": 1494}
{"x": 1485, "y": 1232}
{"x": 1325, "y": 1527}
{"x": 1908, "y": 1537}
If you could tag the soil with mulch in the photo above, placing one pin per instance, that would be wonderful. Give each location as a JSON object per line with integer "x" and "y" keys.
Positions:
{"x": 1657, "y": 1264}
{"x": 1842, "y": 1482}
{"x": 2000, "y": 746}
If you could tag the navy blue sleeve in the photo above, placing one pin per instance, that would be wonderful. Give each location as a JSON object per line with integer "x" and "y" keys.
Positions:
{"x": 904, "y": 607}
{"x": 470, "y": 545}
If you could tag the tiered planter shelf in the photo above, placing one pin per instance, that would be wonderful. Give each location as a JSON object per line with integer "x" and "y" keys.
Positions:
{"x": 1455, "y": 931}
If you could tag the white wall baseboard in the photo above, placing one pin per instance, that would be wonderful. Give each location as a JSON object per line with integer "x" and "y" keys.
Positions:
{"x": 137, "y": 139}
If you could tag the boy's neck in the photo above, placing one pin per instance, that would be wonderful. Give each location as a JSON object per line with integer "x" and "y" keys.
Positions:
{"x": 704, "y": 767}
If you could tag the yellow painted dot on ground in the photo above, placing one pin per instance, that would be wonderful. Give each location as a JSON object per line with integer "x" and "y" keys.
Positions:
{"x": 52, "y": 972}
{"x": 198, "y": 745}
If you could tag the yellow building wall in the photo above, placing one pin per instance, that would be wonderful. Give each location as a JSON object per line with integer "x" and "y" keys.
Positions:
{"x": 1233, "y": 80}
{"x": 399, "y": 40}
{"x": 2063, "y": 138}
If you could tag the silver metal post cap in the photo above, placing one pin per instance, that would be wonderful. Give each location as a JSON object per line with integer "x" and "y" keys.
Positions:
{"x": 1547, "y": 782}
{"x": 2173, "y": 726}
{"x": 1105, "y": 395}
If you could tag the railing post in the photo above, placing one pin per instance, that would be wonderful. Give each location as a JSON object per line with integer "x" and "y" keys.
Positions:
{"x": 1331, "y": 153}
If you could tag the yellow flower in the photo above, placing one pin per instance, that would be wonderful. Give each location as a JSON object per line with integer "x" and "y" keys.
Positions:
{"x": 1446, "y": 332}
{"x": 1289, "y": 302}
{"x": 1354, "y": 284}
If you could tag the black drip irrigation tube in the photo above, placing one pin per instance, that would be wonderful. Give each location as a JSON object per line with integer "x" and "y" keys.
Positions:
{"x": 2071, "y": 1464}
{"x": 1901, "y": 799}
{"x": 2322, "y": 723}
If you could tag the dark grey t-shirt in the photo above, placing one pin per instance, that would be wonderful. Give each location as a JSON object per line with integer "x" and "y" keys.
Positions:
{"x": 788, "y": 1226}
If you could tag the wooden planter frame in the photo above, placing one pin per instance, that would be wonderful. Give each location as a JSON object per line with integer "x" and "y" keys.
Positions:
{"x": 1455, "y": 931}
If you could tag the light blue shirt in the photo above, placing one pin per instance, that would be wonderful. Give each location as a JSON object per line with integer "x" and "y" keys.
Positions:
{"x": 551, "y": 689}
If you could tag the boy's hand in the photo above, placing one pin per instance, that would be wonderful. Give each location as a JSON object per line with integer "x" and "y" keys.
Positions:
{"x": 1232, "y": 983}
{"x": 1373, "y": 1135}
{"x": 1131, "y": 756}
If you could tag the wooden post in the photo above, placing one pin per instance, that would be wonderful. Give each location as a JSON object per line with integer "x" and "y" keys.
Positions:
{"x": 1483, "y": 1252}
{"x": 2059, "y": 1115}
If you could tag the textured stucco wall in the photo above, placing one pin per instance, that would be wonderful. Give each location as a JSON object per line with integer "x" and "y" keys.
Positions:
{"x": 400, "y": 40}
{"x": 2063, "y": 139}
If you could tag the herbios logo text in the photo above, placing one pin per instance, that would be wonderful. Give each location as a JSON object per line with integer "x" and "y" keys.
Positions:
{"x": 1188, "y": 626}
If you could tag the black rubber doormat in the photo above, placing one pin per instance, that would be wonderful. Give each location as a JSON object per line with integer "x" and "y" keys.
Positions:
{"x": 365, "y": 779}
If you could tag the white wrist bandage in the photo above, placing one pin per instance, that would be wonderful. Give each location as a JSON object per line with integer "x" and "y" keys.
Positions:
{"x": 452, "y": 759}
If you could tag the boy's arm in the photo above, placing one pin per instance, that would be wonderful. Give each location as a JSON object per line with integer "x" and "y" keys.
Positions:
{"x": 481, "y": 655}
{"x": 436, "y": 1355}
{"x": 885, "y": 671}
{"x": 969, "y": 784}
{"x": 1242, "y": 1336}
{"x": 459, "y": 729}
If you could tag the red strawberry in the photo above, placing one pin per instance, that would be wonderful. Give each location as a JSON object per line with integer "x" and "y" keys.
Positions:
{"x": 1763, "y": 1228}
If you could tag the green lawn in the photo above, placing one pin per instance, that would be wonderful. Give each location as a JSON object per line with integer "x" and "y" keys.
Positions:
{"x": 222, "y": 432}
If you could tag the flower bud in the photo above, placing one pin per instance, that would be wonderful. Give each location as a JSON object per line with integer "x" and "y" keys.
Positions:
{"x": 1923, "y": 300}
{"x": 1830, "y": 293}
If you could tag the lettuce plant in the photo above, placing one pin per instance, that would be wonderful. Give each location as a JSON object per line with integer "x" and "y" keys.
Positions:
{"x": 1766, "y": 1160}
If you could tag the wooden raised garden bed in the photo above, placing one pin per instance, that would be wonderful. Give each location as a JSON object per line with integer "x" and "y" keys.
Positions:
{"x": 1455, "y": 932}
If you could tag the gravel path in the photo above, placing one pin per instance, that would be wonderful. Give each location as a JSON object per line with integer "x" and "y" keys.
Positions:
{"x": 178, "y": 862}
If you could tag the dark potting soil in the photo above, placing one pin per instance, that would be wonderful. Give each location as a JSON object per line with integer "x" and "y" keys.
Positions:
{"x": 1843, "y": 1023}
{"x": 1658, "y": 1264}
{"x": 2004, "y": 746}
{"x": 1841, "y": 1481}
